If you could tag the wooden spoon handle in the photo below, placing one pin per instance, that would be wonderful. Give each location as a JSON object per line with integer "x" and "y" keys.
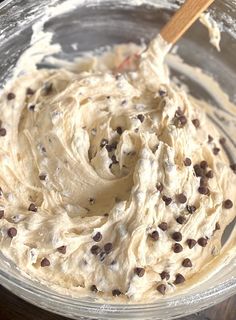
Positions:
{"x": 183, "y": 19}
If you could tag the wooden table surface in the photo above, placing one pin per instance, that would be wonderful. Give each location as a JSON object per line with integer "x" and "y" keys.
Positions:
{"x": 13, "y": 308}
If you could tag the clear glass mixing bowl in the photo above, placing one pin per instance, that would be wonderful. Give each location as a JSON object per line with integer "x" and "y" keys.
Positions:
{"x": 93, "y": 24}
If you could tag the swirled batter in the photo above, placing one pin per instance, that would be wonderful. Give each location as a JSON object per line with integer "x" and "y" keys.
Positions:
{"x": 113, "y": 181}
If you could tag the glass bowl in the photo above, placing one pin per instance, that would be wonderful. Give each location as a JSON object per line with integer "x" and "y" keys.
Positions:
{"x": 92, "y": 24}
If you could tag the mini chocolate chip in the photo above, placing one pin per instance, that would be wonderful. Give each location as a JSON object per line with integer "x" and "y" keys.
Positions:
{"x": 45, "y": 262}
{"x": 177, "y": 248}
{"x": 119, "y": 130}
{"x": 203, "y": 164}
{"x": 11, "y": 96}
{"x": 91, "y": 200}
{"x": 116, "y": 292}
{"x": 181, "y": 198}
{"x": 216, "y": 151}
{"x": 191, "y": 209}
{"x": 187, "y": 162}
{"x": 160, "y": 186}
{"x": 233, "y": 167}
{"x": 228, "y": 204}
{"x": 177, "y": 236}
{"x": 191, "y": 243}
{"x": 161, "y": 288}
{"x": 97, "y": 237}
{"x": 139, "y": 272}
{"x": 198, "y": 170}
{"x": 167, "y": 200}
{"x": 62, "y": 249}
{"x": 162, "y": 93}
{"x": 123, "y": 102}
{"x": 95, "y": 250}
{"x": 108, "y": 97}
{"x": 42, "y": 177}
{"x": 196, "y": 123}
{"x": 181, "y": 220}
{"x": 163, "y": 226}
{"x": 179, "y": 113}
{"x": 108, "y": 247}
{"x": 181, "y": 121}
{"x": 203, "y": 181}
{"x": 154, "y": 235}
{"x": 114, "y": 160}
{"x": 202, "y": 242}
{"x": 32, "y": 107}
{"x": 103, "y": 143}
{"x": 140, "y": 117}
{"x": 111, "y": 146}
{"x": 1, "y": 214}
{"x": 93, "y": 288}
{"x": 210, "y": 138}
{"x": 222, "y": 141}
{"x": 203, "y": 190}
{"x": 29, "y": 91}
{"x": 32, "y": 207}
{"x": 165, "y": 275}
{"x": 3, "y": 132}
{"x": 12, "y": 232}
{"x": 217, "y": 227}
{"x": 187, "y": 263}
{"x": 106, "y": 214}
{"x": 179, "y": 278}
{"x": 210, "y": 174}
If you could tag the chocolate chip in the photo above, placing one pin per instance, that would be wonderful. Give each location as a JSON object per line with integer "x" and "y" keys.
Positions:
{"x": 181, "y": 121}
{"x": 32, "y": 107}
{"x": 203, "y": 164}
{"x": 177, "y": 236}
{"x": 12, "y": 232}
{"x": 228, "y": 204}
{"x": 91, "y": 201}
{"x": 108, "y": 247}
{"x": 210, "y": 138}
{"x": 165, "y": 275}
{"x": 222, "y": 141}
{"x": 181, "y": 220}
{"x": 167, "y": 200}
{"x": 202, "y": 242}
{"x": 198, "y": 170}
{"x": 119, "y": 130}
{"x": 203, "y": 190}
{"x": 95, "y": 250}
{"x": 47, "y": 89}
{"x": 159, "y": 187}
{"x": 32, "y": 207}
{"x": 187, "y": 162}
{"x": 123, "y": 102}
{"x": 45, "y": 262}
{"x": 154, "y": 235}
{"x": 203, "y": 182}
{"x": 62, "y": 249}
{"x": 217, "y": 227}
{"x": 97, "y": 237}
{"x": 196, "y": 123}
{"x": 177, "y": 248}
{"x": 93, "y": 288}
{"x": 233, "y": 167}
{"x": 216, "y": 151}
{"x": 181, "y": 198}
{"x": 162, "y": 93}
{"x": 103, "y": 143}
{"x": 139, "y": 272}
{"x": 116, "y": 292}
{"x": 191, "y": 243}
{"x": 191, "y": 209}
{"x": 114, "y": 160}
{"x": 179, "y": 113}
{"x": 163, "y": 226}
{"x": 140, "y": 117}
{"x": 179, "y": 278}
{"x": 111, "y": 147}
{"x": 11, "y": 96}
{"x": 210, "y": 174}
{"x": 187, "y": 263}
{"x": 161, "y": 288}
{"x": 29, "y": 91}
{"x": 3, "y": 132}
{"x": 42, "y": 177}
{"x": 1, "y": 214}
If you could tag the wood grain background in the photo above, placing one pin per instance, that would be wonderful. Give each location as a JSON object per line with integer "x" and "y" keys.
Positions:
{"x": 13, "y": 308}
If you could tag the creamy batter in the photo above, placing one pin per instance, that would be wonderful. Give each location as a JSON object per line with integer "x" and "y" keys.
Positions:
{"x": 113, "y": 180}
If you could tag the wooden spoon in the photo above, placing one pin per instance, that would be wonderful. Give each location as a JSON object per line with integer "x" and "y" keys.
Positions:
{"x": 183, "y": 19}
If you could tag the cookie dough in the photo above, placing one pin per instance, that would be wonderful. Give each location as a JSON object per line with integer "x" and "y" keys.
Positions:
{"x": 114, "y": 183}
